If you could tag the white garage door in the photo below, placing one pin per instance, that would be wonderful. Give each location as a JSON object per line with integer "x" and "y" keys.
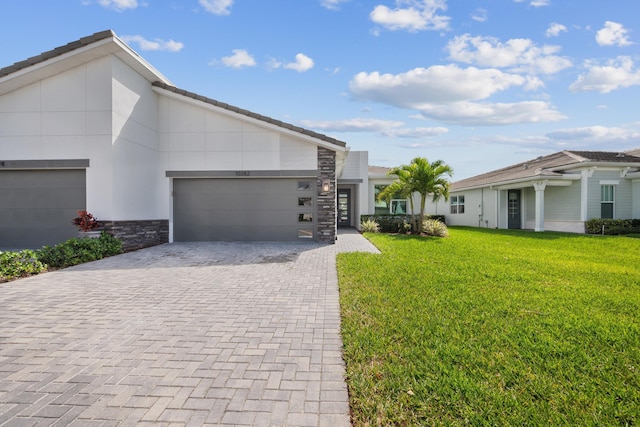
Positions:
{"x": 247, "y": 209}
{"x": 37, "y": 206}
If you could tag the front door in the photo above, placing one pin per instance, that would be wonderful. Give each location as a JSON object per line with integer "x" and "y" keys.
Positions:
{"x": 344, "y": 207}
{"x": 514, "y": 209}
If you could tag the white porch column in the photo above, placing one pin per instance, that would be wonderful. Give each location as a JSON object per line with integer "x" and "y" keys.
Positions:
{"x": 539, "y": 187}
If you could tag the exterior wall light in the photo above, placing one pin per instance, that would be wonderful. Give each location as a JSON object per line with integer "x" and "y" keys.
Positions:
{"x": 326, "y": 185}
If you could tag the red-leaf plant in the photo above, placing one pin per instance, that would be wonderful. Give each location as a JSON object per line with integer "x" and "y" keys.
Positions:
{"x": 85, "y": 221}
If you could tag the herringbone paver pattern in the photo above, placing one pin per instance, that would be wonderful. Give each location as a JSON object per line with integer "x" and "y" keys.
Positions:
{"x": 179, "y": 334}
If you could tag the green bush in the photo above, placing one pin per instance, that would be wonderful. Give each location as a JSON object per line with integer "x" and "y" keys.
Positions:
{"x": 433, "y": 227}
{"x": 612, "y": 226}
{"x": 77, "y": 251}
{"x": 397, "y": 223}
{"x": 370, "y": 226}
{"x": 19, "y": 264}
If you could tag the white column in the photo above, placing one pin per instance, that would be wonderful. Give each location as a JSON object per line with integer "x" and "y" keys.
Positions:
{"x": 539, "y": 187}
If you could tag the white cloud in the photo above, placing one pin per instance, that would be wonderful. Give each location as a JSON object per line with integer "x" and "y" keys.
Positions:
{"x": 217, "y": 7}
{"x": 352, "y": 125}
{"x": 332, "y": 4}
{"x": 240, "y": 58}
{"x": 447, "y": 93}
{"x": 617, "y": 73}
{"x": 595, "y": 134}
{"x": 419, "y": 132}
{"x": 517, "y": 54}
{"x": 119, "y": 4}
{"x": 613, "y": 33}
{"x": 555, "y": 29}
{"x": 439, "y": 84}
{"x": 388, "y": 128}
{"x": 488, "y": 114}
{"x": 535, "y": 3}
{"x": 303, "y": 63}
{"x": 156, "y": 44}
{"x": 480, "y": 15}
{"x": 412, "y": 15}
{"x": 539, "y": 3}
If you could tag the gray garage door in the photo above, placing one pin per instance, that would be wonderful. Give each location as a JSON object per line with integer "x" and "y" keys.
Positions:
{"x": 243, "y": 209}
{"x": 37, "y": 206}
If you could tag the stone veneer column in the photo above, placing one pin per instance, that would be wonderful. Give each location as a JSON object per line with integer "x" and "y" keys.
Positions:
{"x": 326, "y": 201}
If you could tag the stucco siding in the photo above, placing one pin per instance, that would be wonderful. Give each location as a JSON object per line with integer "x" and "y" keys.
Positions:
{"x": 136, "y": 178}
{"x": 52, "y": 119}
{"x": 297, "y": 155}
{"x": 196, "y": 138}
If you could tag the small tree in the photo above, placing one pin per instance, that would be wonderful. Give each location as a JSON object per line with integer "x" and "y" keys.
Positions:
{"x": 423, "y": 178}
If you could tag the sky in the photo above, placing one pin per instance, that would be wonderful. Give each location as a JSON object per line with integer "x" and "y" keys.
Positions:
{"x": 479, "y": 84}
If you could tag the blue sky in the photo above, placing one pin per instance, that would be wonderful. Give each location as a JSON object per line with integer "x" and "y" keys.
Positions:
{"x": 478, "y": 84}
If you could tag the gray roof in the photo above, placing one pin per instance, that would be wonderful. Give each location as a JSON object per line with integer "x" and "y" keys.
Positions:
{"x": 85, "y": 41}
{"x": 108, "y": 34}
{"x": 549, "y": 166}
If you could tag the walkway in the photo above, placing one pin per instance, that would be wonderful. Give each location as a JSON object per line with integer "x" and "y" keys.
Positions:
{"x": 179, "y": 334}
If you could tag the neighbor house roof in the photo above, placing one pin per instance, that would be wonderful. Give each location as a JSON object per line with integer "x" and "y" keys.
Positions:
{"x": 102, "y": 43}
{"x": 551, "y": 166}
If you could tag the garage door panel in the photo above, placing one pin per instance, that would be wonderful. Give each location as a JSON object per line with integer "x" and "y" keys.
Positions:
{"x": 238, "y": 209}
{"x": 42, "y": 197}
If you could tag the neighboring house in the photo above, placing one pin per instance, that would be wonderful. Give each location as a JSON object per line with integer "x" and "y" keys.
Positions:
{"x": 91, "y": 125}
{"x": 558, "y": 192}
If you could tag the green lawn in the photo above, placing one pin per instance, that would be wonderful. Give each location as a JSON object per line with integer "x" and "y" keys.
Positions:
{"x": 493, "y": 327}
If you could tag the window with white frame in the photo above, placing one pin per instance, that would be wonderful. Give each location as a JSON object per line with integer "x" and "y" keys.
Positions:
{"x": 607, "y": 200}
{"x": 457, "y": 204}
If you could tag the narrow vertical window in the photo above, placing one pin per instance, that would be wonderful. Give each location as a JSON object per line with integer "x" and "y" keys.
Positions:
{"x": 607, "y": 201}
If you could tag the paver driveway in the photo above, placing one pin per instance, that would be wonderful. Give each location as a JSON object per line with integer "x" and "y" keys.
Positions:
{"x": 178, "y": 334}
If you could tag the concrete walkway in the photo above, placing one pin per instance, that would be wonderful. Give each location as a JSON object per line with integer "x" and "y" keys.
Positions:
{"x": 179, "y": 334}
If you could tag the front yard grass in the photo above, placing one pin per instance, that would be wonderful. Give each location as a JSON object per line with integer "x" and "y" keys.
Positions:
{"x": 493, "y": 327}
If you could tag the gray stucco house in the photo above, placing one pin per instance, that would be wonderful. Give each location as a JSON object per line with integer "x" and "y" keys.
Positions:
{"x": 557, "y": 192}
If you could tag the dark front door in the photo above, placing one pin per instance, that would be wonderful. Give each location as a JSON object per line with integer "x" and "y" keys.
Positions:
{"x": 514, "y": 209}
{"x": 344, "y": 207}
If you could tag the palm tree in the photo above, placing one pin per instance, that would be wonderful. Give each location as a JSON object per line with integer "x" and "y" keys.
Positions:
{"x": 423, "y": 178}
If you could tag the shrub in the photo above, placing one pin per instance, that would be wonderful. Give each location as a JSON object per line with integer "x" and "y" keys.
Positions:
{"x": 612, "y": 226}
{"x": 19, "y": 264}
{"x": 397, "y": 223}
{"x": 370, "y": 226}
{"x": 433, "y": 227}
{"x": 77, "y": 251}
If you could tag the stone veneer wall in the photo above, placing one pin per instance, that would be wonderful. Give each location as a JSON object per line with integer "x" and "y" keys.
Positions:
{"x": 326, "y": 202}
{"x": 138, "y": 234}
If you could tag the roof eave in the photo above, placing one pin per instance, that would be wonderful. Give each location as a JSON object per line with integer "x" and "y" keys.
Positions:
{"x": 563, "y": 179}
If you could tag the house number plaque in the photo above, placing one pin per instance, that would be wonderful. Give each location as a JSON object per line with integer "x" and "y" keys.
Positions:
{"x": 243, "y": 173}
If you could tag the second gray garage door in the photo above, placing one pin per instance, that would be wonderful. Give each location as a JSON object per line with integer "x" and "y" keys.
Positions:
{"x": 243, "y": 209}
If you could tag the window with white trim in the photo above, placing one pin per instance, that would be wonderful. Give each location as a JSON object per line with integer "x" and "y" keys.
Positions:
{"x": 457, "y": 204}
{"x": 607, "y": 200}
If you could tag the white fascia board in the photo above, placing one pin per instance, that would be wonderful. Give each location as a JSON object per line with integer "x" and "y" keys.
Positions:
{"x": 139, "y": 64}
{"x": 247, "y": 119}
{"x": 608, "y": 166}
{"x": 561, "y": 181}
